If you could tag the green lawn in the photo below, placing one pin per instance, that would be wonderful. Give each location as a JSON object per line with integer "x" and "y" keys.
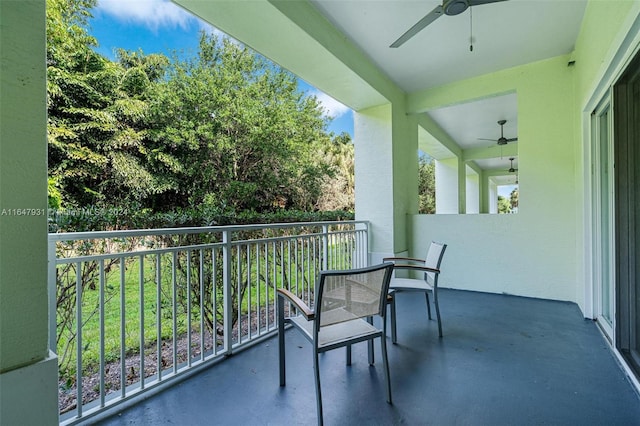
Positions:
{"x": 127, "y": 290}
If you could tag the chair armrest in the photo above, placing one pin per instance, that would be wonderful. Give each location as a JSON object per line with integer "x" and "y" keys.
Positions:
{"x": 299, "y": 304}
{"x": 406, "y": 259}
{"x": 415, "y": 267}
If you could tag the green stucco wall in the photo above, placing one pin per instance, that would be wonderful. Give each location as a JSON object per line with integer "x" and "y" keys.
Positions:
{"x": 603, "y": 26}
{"x": 540, "y": 251}
{"x": 498, "y": 253}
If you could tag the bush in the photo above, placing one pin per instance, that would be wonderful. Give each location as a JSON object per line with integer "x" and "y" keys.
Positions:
{"x": 93, "y": 218}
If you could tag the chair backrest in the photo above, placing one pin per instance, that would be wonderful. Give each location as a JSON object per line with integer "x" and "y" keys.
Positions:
{"x": 434, "y": 258}
{"x": 349, "y": 294}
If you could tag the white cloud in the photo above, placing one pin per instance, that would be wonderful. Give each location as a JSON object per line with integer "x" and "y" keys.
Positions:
{"x": 332, "y": 107}
{"x": 151, "y": 13}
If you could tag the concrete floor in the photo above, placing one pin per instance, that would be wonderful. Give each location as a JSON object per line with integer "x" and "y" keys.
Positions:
{"x": 503, "y": 360}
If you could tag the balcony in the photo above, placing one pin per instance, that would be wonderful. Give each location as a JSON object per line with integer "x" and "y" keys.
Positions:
{"x": 503, "y": 360}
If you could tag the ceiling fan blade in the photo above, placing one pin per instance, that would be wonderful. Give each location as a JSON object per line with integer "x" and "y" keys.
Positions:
{"x": 419, "y": 26}
{"x": 483, "y": 139}
{"x": 512, "y": 139}
{"x": 480, "y": 2}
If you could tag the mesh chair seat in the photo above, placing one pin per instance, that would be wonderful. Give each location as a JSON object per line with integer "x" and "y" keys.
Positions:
{"x": 336, "y": 334}
{"x": 409, "y": 284}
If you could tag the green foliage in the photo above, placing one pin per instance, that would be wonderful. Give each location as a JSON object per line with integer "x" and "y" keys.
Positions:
{"x": 224, "y": 129}
{"x": 244, "y": 134}
{"x": 504, "y": 206}
{"x": 98, "y": 113}
{"x": 95, "y": 218}
{"x": 338, "y": 189}
{"x": 426, "y": 185}
{"x": 513, "y": 199}
{"x": 53, "y": 194}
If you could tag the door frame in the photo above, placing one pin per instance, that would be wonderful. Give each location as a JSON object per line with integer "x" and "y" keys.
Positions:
{"x": 603, "y": 252}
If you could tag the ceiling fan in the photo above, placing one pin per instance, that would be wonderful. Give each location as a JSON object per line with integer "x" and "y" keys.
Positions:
{"x": 448, "y": 7}
{"x": 512, "y": 169}
{"x": 501, "y": 140}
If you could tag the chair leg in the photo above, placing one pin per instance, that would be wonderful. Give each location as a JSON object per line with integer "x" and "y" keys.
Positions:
{"x": 394, "y": 331}
{"x": 435, "y": 301}
{"x": 426, "y": 293}
{"x": 281, "y": 354}
{"x": 385, "y": 361}
{"x": 316, "y": 370}
{"x": 370, "y": 345}
{"x": 348, "y": 354}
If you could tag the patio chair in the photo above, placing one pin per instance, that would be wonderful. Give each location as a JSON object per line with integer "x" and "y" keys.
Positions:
{"x": 345, "y": 304}
{"x": 429, "y": 283}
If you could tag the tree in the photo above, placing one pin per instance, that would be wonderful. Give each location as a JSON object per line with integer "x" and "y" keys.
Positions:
{"x": 97, "y": 114}
{"x": 504, "y": 206}
{"x": 246, "y": 138}
{"x": 222, "y": 129}
{"x": 338, "y": 189}
{"x": 514, "y": 199}
{"x": 426, "y": 185}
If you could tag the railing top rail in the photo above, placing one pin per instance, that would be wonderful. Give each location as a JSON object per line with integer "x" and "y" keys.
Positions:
{"x": 75, "y": 236}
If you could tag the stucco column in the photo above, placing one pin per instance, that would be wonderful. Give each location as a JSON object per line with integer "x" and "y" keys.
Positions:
{"x": 488, "y": 195}
{"x": 386, "y": 175}
{"x": 473, "y": 194}
{"x": 447, "y": 199}
{"x": 28, "y": 371}
{"x": 462, "y": 186}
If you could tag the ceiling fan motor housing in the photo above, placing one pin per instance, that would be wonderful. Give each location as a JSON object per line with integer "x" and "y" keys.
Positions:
{"x": 455, "y": 7}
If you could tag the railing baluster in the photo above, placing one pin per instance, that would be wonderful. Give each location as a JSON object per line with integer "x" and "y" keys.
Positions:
{"x": 248, "y": 292}
{"x": 226, "y": 295}
{"x": 275, "y": 280}
{"x": 101, "y": 318}
{"x": 123, "y": 350}
{"x": 159, "y": 316}
{"x": 214, "y": 300}
{"x": 174, "y": 300}
{"x": 325, "y": 247}
{"x": 289, "y": 276}
{"x": 258, "y": 284}
{"x": 305, "y": 267}
{"x": 202, "y": 296}
{"x": 239, "y": 294}
{"x": 141, "y": 306}
{"x": 189, "y": 308}
{"x": 79, "y": 339}
{"x": 295, "y": 244}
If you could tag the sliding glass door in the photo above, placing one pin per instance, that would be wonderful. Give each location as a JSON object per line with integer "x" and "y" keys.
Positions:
{"x": 626, "y": 126}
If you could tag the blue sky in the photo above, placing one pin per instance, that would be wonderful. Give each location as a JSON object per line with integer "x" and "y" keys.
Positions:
{"x": 159, "y": 26}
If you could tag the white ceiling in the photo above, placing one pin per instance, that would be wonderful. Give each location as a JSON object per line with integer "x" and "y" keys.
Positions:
{"x": 506, "y": 34}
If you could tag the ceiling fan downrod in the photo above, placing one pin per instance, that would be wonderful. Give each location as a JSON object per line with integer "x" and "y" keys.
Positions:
{"x": 470, "y": 29}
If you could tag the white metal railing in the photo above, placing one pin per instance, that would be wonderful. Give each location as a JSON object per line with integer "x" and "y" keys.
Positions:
{"x": 133, "y": 310}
